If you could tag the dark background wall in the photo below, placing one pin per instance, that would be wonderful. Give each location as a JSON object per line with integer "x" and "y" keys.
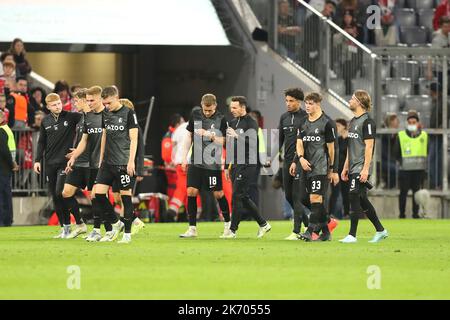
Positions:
{"x": 178, "y": 77}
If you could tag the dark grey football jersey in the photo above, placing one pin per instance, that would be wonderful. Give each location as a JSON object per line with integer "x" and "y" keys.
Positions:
{"x": 204, "y": 154}
{"x": 93, "y": 127}
{"x": 315, "y": 136}
{"x": 117, "y": 125}
{"x": 83, "y": 160}
{"x": 288, "y": 127}
{"x": 360, "y": 129}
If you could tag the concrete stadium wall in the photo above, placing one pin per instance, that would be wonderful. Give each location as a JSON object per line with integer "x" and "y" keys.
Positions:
{"x": 26, "y": 210}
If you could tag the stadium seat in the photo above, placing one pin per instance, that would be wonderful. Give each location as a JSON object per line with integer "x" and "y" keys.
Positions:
{"x": 425, "y": 118}
{"x": 423, "y": 64}
{"x": 414, "y": 35}
{"x": 385, "y": 70}
{"x": 338, "y": 86}
{"x": 405, "y": 17}
{"x": 421, "y": 103}
{"x": 406, "y": 69}
{"x": 389, "y": 103}
{"x": 362, "y": 84}
{"x": 400, "y": 87}
{"x": 420, "y": 4}
{"x": 426, "y": 18}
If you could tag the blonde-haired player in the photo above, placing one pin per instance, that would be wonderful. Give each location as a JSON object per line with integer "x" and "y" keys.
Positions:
{"x": 138, "y": 224}
{"x": 359, "y": 164}
{"x": 56, "y": 137}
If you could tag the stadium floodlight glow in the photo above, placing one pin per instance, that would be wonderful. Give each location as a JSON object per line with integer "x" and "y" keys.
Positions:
{"x": 131, "y": 22}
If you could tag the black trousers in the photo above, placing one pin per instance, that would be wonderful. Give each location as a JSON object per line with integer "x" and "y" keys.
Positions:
{"x": 253, "y": 193}
{"x": 6, "y": 209}
{"x": 56, "y": 177}
{"x": 410, "y": 180}
{"x": 296, "y": 194}
{"x": 241, "y": 176}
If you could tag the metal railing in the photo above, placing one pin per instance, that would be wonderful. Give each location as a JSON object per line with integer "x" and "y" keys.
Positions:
{"x": 25, "y": 182}
{"x": 398, "y": 78}
{"x": 388, "y": 160}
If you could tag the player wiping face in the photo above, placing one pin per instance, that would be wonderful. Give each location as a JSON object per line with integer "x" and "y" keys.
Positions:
{"x": 206, "y": 131}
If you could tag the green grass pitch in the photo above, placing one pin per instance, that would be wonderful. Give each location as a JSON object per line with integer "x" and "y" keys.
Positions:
{"x": 414, "y": 263}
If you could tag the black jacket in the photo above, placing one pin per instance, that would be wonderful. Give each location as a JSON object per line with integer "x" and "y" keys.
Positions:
{"x": 56, "y": 137}
{"x": 6, "y": 160}
{"x": 288, "y": 126}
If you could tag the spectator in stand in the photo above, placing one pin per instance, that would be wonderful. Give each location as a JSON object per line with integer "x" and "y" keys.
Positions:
{"x": 350, "y": 21}
{"x": 388, "y": 159}
{"x": 441, "y": 37}
{"x": 21, "y": 112}
{"x": 299, "y": 12}
{"x": 442, "y": 10}
{"x": 23, "y": 67}
{"x": 287, "y": 30}
{"x": 38, "y": 117}
{"x": 8, "y": 78}
{"x": 4, "y": 109}
{"x": 353, "y": 6}
{"x": 62, "y": 89}
{"x": 37, "y": 99}
{"x": 441, "y": 40}
{"x": 388, "y": 34}
{"x": 312, "y": 40}
{"x": 5, "y": 57}
{"x": 350, "y": 58}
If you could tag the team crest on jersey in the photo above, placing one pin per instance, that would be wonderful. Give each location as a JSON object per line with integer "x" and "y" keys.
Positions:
{"x": 66, "y": 123}
{"x": 120, "y": 120}
{"x": 316, "y": 131}
{"x": 212, "y": 126}
{"x": 356, "y": 127}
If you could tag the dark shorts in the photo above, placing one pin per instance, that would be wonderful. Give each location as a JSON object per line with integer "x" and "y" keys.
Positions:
{"x": 116, "y": 185}
{"x": 56, "y": 177}
{"x": 78, "y": 177}
{"x": 108, "y": 174}
{"x": 317, "y": 185}
{"x": 92, "y": 178}
{"x": 356, "y": 187}
{"x": 204, "y": 179}
{"x": 82, "y": 178}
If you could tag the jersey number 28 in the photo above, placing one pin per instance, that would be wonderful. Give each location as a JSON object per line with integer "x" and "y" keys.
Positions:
{"x": 125, "y": 179}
